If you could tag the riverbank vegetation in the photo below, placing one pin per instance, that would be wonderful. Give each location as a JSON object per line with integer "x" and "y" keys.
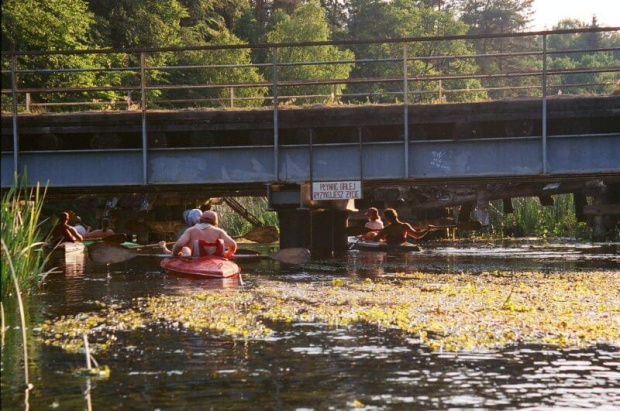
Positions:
{"x": 235, "y": 224}
{"x": 125, "y": 24}
{"x": 445, "y": 312}
{"x": 21, "y": 236}
{"x": 531, "y": 219}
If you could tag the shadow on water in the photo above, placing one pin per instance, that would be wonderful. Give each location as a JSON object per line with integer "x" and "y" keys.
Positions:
{"x": 311, "y": 365}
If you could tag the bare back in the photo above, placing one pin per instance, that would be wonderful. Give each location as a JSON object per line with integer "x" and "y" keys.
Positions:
{"x": 205, "y": 232}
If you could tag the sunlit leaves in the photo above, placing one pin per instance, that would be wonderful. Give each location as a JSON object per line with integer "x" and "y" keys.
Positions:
{"x": 443, "y": 311}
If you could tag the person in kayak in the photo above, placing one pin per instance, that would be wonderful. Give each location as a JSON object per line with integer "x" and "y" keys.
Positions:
{"x": 191, "y": 218}
{"x": 62, "y": 232}
{"x": 105, "y": 230}
{"x": 374, "y": 223}
{"x": 80, "y": 227}
{"x": 206, "y": 238}
{"x": 396, "y": 232}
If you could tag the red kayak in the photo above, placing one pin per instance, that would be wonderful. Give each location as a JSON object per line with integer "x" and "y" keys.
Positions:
{"x": 210, "y": 266}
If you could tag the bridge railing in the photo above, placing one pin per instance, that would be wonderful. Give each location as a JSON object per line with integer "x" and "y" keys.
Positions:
{"x": 410, "y": 70}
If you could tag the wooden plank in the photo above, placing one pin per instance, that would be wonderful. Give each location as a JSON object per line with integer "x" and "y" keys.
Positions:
{"x": 602, "y": 209}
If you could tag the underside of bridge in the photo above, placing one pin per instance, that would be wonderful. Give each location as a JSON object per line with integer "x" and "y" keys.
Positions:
{"x": 443, "y": 165}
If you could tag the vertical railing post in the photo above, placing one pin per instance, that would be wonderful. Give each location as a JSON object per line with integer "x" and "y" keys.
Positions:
{"x": 311, "y": 155}
{"x": 14, "y": 110}
{"x": 275, "y": 115}
{"x": 28, "y": 102}
{"x": 406, "y": 109}
{"x": 232, "y": 97}
{"x": 440, "y": 91}
{"x": 361, "y": 152}
{"x": 544, "y": 106}
{"x": 143, "y": 106}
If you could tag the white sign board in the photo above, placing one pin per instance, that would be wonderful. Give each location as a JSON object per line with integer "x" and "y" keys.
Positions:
{"x": 336, "y": 190}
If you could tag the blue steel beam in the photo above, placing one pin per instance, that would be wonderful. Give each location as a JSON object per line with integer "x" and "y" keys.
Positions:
{"x": 438, "y": 159}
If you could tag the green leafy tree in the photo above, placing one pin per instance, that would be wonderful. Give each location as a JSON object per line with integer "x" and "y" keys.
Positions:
{"x": 497, "y": 17}
{"x": 229, "y": 75}
{"x": 53, "y": 25}
{"x": 308, "y": 23}
{"x": 599, "y": 83}
{"x": 376, "y": 19}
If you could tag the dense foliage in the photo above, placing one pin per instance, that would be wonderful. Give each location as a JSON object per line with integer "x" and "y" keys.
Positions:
{"x": 21, "y": 249}
{"x": 122, "y": 24}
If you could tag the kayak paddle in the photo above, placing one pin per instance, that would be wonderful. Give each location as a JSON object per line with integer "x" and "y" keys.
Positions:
{"x": 113, "y": 253}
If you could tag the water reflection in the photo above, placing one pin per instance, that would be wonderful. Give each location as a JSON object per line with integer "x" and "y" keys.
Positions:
{"x": 309, "y": 365}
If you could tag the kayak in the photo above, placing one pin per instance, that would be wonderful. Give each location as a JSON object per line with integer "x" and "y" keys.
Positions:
{"x": 364, "y": 245}
{"x": 65, "y": 249}
{"x": 210, "y": 266}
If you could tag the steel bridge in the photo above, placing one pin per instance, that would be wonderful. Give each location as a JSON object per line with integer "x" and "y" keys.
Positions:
{"x": 377, "y": 137}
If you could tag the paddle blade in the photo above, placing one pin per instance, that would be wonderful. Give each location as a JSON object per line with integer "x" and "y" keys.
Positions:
{"x": 268, "y": 234}
{"x": 292, "y": 256}
{"x": 109, "y": 253}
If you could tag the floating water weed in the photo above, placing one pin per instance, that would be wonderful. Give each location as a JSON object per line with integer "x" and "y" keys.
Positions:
{"x": 443, "y": 311}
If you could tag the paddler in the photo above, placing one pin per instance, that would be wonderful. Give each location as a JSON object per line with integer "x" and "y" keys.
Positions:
{"x": 62, "y": 232}
{"x": 374, "y": 223}
{"x": 191, "y": 218}
{"x": 396, "y": 232}
{"x": 206, "y": 238}
{"x": 105, "y": 230}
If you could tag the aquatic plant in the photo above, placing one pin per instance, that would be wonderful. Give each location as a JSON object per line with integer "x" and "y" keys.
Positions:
{"x": 442, "y": 311}
{"x": 21, "y": 209}
{"x": 530, "y": 218}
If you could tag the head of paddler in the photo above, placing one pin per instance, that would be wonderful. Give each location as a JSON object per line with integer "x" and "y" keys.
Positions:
{"x": 372, "y": 214}
{"x": 63, "y": 217}
{"x": 209, "y": 217}
{"x": 390, "y": 215}
{"x": 106, "y": 224}
{"x": 192, "y": 217}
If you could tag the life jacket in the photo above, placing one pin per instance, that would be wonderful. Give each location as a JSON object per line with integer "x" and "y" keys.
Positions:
{"x": 202, "y": 248}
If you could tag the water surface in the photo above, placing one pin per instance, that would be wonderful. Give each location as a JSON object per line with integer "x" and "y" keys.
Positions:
{"x": 312, "y": 365}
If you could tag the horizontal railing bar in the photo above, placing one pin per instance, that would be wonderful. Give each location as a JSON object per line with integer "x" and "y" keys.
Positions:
{"x": 314, "y": 63}
{"x": 316, "y": 43}
{"x": 79, "y": 70}
{"x": 208, "y": 66}
{"x": 321, "y": 82}
{"x": 326, "y": 96}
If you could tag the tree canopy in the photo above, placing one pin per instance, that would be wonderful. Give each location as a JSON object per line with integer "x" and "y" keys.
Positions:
{"x": 122, "y": 24}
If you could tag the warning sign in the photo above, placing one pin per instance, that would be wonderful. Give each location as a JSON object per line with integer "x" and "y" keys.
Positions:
{"x": 337, "y": 190}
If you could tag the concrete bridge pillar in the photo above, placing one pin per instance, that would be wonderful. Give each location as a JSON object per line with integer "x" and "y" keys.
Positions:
{"x": 324, "y": 232}
{"x": 295, "y": 228}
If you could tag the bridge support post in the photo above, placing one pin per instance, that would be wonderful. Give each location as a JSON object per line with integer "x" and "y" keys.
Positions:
{"x": 14, "y": 109}
{"x": 322, "y": 233}
{"x": 295, "y": 228}
{"x": 145, "y": 177}
{"x": 339, "y": 232}
{"x": 544, "y": 106}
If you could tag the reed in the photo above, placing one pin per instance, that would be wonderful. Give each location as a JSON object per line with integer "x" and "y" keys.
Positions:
{"x": 21, "y": 236}
{"x": 530, "y": 218}
{"x": 237, "y": 225}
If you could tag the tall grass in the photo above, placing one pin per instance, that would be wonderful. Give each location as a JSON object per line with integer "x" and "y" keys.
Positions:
{"x": 530, "y": 218}
{"x": 237, "y": 225}
{"x": 21, "y": 236}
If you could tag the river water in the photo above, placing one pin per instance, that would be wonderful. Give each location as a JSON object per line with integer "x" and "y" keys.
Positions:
{"x": 309, "y": 365}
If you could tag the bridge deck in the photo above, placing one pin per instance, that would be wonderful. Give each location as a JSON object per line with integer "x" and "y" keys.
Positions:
{"x": 236, "y": 148}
